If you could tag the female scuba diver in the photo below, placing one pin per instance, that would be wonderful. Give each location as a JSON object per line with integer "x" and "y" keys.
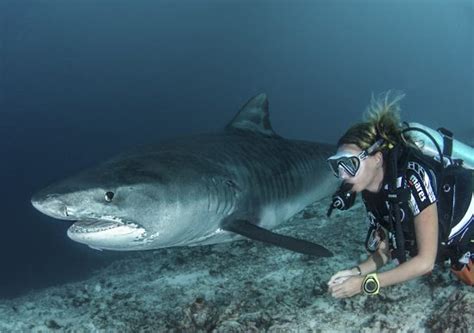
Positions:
{"x": 416, "y": 206}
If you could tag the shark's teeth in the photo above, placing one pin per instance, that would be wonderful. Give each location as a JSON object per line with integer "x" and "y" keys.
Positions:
{"x": 90, "y": 226}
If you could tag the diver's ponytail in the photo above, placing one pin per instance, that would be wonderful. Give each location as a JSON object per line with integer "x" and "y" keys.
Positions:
{"x": 381, "y": 121}
{"x": 383, "y": 115}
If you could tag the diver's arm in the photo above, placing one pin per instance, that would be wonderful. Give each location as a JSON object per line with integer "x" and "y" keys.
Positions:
{"x": 373, "y": 262}
{"x": 349, "y": 282}
{"x": 426, "y": 230}
{"x": 376, "y": 260}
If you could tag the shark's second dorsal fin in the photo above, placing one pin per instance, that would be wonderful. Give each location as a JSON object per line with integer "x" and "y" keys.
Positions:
{"x": 253, "y": 117}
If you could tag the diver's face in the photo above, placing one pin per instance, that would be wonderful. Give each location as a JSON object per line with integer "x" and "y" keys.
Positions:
{"x": 370, "y": 172}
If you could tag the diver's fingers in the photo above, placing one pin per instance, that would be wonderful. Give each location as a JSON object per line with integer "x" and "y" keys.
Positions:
{"x": 336, "y": 291}
{"x": 336, "y": 276}
{"x": 341, "y": 274}
{"x": 339, "y": 280}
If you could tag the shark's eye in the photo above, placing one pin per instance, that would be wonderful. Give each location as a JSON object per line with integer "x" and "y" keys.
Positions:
{"x": 109, "y": 196}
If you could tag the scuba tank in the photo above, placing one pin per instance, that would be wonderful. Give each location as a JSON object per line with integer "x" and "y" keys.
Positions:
{"x": 452, "y": 148}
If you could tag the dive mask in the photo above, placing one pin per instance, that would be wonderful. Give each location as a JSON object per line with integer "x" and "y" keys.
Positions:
{"x": 349, "y": 162}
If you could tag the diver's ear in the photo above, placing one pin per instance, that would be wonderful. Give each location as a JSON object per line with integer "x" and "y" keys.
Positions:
{"x": 378, "y": 158}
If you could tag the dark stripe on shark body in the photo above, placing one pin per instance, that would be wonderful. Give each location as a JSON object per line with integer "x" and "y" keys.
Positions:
{"x": 300, "y": 166}
{"x": 306, "y": 166}
{"x": 211, "y": 206}
{"x": 286, "y": 171}
{"x": 289, "y": 176}
{"x": 285, "y": 174}
{"x": 230, "y": 197}
{"x": 222, "y": 195}
{"x": 275, "y": 186}
{"x": 282, "y": 183}
{"x": 278, "y": 186}
{"x": 259, "y": 172}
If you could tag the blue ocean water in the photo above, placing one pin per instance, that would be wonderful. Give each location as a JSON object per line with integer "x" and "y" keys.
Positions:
{"x": 83, "y": 80}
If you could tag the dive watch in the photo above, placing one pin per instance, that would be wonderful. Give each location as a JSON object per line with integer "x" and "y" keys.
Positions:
{"x": 371, "y": 284}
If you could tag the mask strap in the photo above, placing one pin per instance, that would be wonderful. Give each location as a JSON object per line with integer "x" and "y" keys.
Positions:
{"x": 375, "y": 146}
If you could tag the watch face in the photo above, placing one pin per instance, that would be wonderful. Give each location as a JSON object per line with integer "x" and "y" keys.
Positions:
{"x": 370, "y": 286}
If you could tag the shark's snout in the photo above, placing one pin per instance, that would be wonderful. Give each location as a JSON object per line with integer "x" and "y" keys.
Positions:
{"x": 50, "y": 204}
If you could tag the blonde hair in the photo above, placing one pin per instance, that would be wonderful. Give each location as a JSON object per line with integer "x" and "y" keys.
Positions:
{"x": 381, "y": 121}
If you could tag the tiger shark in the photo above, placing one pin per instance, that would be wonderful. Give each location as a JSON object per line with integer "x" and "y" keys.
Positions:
{"x": 204, "y": 189}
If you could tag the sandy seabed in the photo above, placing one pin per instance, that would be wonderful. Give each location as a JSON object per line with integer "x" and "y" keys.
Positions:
{"x": 245, "y": 286}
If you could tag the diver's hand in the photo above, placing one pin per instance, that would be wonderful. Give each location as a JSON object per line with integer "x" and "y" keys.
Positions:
{"x": 340, "y": 277}
{"x": 349, "y": 287}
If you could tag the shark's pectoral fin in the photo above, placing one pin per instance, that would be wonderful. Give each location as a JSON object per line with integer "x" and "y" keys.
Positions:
{"x": 252, "y": 231}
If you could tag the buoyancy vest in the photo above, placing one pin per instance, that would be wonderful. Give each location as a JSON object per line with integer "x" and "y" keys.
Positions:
{"x": 415, "y": 182}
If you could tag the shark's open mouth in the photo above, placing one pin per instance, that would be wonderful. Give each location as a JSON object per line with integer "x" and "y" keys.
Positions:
{"x": 109, "y": 227}
{"x": 91, "y": 226}
{"x": 106, "y": 234}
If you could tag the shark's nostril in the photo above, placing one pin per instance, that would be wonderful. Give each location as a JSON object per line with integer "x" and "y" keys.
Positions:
{"x": 51, "y": 205}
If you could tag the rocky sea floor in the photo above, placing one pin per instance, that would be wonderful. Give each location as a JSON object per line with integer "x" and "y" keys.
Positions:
{"x": 244, "y": 286}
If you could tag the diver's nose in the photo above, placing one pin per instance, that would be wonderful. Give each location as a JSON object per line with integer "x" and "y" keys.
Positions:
{"x": 343, "y": 174}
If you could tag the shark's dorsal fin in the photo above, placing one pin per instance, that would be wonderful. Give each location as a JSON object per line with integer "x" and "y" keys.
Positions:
{"x": 253, "y": 117}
